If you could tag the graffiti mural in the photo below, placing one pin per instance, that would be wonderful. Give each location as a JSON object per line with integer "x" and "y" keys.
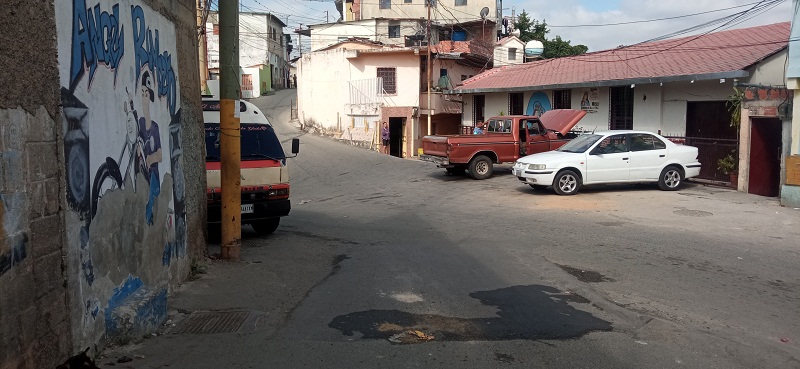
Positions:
{"x": 538, "y": 104}
{"x": 123, "y": 158}
{"x": 13, "y": 242}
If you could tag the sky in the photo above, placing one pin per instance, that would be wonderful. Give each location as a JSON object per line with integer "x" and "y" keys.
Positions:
{"x": 594, "y": 23}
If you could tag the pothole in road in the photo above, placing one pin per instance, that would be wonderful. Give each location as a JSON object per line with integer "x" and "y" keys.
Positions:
{"x": 532, "y": 312}
{"x": 692, "y": 213}
{"x": 586, "y": 276}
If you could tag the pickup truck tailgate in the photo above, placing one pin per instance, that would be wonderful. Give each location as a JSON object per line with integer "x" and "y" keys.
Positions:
{"x": 434, "y": 145}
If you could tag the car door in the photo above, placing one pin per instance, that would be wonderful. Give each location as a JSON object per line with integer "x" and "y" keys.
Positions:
{"x": 648, "y": 156}
{"x": 537, "y": 140}
{"x": 608, "y": 161}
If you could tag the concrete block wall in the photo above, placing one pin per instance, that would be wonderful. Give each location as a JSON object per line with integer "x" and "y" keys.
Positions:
{"x": 34, "y": 316}
{"x": 48, "y": 254}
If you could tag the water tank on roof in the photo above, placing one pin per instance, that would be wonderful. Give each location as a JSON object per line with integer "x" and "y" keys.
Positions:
{"x": 534, "y": 49}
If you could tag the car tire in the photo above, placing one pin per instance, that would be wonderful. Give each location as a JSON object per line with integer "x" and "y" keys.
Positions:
{"x": 455, "y": 171}
{"x": 567, "y": 182}
{"x": 266, "y": 226}
{"x": 670, "y": 179}
{"x": 481, "y": 167}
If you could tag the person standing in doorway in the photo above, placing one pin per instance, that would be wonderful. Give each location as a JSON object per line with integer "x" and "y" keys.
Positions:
{"x": 294, "y": 80}
{"x": 385, "y": 138}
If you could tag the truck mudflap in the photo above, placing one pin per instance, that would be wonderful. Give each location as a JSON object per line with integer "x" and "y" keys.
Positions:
{"x": 254, "y": 210}
{"x": 438, "y": 160}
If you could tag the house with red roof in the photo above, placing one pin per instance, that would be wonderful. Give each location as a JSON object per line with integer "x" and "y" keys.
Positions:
{"x": 686, "y": 88}
{"x": 349, "y": 85}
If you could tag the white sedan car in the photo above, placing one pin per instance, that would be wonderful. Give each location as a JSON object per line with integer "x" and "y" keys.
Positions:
{"x": 610, "y": 157}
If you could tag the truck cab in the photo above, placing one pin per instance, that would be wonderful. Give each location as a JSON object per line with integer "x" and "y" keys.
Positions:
{"x": 265, "y": 184}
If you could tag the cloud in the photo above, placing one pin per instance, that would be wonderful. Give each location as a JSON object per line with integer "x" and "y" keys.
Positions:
{"x": 574, "y": 12}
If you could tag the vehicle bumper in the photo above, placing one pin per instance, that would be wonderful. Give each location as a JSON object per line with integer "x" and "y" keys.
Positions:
{"x": 535, "y": 177}
{"x": 692, "y": 170}
{"x": 438, "y": 160}
{"x": 261, "y": 210}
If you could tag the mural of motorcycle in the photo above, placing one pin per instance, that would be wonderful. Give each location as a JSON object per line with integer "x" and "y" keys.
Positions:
{"x": 109, "y": 174}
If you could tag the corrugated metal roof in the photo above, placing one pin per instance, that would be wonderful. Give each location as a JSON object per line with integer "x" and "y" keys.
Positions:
{"x": 725, "y": 54}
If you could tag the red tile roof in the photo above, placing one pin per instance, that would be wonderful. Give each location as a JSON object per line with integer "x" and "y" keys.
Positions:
{"x": 708, "y": 56}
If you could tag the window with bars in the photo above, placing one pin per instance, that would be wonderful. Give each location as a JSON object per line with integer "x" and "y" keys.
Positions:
{"x": 478, "y": 108}
{"x": 389, "y": 76}
{"x": 620, "y": 114}
{"x": 516, "y": 103}
{"x": 562, "y": 99}
{"x": 394, "y": 31}
{"x": 385, "y": 4}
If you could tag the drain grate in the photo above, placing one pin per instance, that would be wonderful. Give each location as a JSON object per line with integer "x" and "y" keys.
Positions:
{"x": 211, "y": 322}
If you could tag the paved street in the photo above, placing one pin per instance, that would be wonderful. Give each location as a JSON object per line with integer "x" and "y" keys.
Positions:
{"x": 499, "y": 274}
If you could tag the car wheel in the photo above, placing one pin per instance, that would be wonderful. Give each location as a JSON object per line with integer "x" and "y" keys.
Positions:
{"x": 480, "y": 167}
{"x": 567, "y": 182}
{"x": 670, "y": 179}
{"x": 538, "y": 187}
{"x": 266, "y": 226}
{"x": 455, "y": 171}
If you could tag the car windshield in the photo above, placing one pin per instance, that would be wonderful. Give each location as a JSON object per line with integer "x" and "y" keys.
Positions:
{"x": 258, "y": 143}
{"x": 580, "y": 144}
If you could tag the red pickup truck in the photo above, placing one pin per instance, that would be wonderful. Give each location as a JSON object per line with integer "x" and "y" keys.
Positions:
{"x": 506, "y": 139}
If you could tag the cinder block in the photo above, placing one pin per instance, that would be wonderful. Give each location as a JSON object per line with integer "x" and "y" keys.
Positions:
{"x": 45, "y": 237}
{"x": 44, "y": 198}
{"x": 13, "y": 132}
{"x": 47, "y": 274}
{"x": 13, "y": 172}
{"x": 41, "y": 128}
{"x": 43, "y": 161}
{"x": 51, "y": 312}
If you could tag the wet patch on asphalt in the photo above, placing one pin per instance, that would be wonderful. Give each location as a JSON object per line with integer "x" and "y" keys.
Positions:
{"x": 692, "y": 213}
{"x": 532, "y": 312}
{"x": 586, "y": 276}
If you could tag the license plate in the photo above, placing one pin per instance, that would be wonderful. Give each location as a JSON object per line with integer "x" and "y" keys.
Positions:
{"x": 247, "y": 208}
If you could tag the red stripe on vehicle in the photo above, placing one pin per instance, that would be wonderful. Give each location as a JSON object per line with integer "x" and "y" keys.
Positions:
{"x": 246, "y": 164}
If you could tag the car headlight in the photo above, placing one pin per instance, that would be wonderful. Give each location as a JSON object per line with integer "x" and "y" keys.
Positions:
{"x": 537, "y": 166}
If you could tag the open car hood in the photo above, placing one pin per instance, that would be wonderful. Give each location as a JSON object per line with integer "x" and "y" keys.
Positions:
{"x": 561, "y": 120}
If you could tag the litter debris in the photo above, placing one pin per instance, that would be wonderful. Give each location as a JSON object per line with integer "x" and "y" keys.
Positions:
{"x": 124, "y": 359}
{"x": 785, "y": 340}
{"x": 641, "y": 342}
{"x": 304, "y": 202}
{"x": 410, "y": 336}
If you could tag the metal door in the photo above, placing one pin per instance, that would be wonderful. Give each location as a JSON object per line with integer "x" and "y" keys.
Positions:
{"x": 765, "y": 157}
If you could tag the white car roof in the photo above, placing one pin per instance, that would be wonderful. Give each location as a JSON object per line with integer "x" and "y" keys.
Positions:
{"x": 248, "y": 114}
{"x": 623, "y": 131}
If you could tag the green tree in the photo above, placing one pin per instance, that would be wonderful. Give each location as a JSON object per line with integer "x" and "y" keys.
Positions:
{"x": 532, "y": 29}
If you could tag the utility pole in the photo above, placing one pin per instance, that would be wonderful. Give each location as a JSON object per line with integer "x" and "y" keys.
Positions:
{"x": 230, "y": 141}
{"x": 202, "y": 48}
{"x": 429, "y": 67}
{"x": 326, "y": 17}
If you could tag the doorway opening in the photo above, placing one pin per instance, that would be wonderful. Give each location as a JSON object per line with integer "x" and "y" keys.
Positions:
{"x": 396, "y": 136}
{"x": 765, "y": 157}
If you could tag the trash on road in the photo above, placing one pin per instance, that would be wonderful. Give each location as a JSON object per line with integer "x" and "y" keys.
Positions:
{"x": 411, "y": 336}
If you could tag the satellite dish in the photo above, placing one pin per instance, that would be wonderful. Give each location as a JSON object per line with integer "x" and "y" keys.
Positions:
{"x": 534, "y": 48}
{"x": 484, "y": 12}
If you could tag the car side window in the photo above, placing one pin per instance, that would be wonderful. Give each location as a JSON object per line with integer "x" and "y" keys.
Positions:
{"x": 533, "y": 128}
{"x": 507, "y": 125}
{"x": 642, "y": 142}
{"x": 612, "y": 144}
{"x": 658, "y": 143}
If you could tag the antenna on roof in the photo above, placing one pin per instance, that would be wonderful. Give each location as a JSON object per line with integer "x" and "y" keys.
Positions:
{"x": 484, "y": 12}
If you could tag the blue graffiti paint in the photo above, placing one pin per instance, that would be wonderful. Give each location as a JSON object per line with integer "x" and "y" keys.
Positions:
{"x": 97, "y": 37}
{"x": 538, "y": 104}
{"x": 150, "y": 307}
{"x": 147, "y": 51}
{"x": 88, "y": 271}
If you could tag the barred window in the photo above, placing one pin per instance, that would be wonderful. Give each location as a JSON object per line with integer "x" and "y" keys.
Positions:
{"x": 389, "y": 76}
{"x": 394, "y": 31}
{"x": 562, "y": 99}
{"x": 620, "y": 114}
{"x": 385, "y": 4}
{"x": 516, "y": 103}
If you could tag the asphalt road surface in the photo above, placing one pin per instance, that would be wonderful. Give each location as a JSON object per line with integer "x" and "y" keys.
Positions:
{"x": 390, "y": 263}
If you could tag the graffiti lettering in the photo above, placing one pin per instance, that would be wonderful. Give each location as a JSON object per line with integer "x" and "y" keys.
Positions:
{"x": 97, "y": 37}
{"x": 148, "y": 53}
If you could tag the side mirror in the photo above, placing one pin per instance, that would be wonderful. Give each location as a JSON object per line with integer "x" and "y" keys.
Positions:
{"x": 295, "y": 146}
